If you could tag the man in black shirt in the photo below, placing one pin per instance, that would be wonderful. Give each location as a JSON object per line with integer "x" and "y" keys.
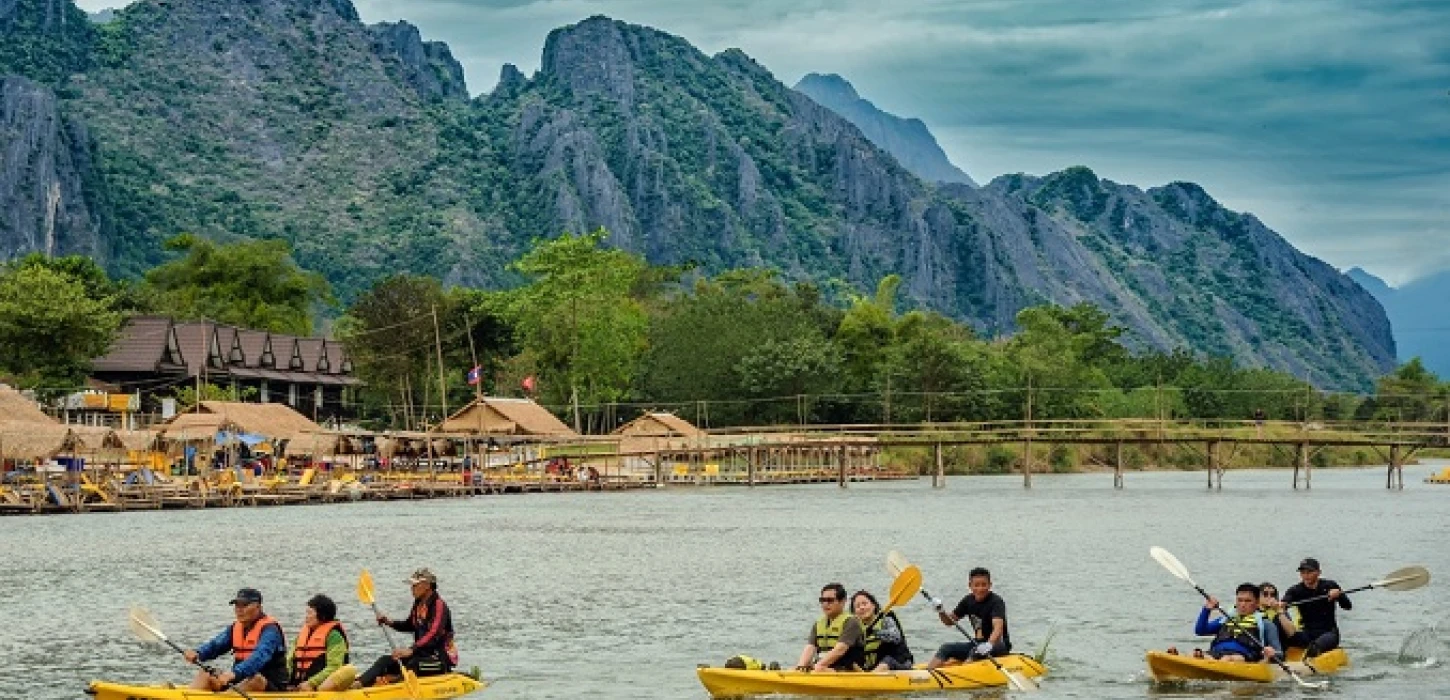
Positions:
{"x": 1318, "y": 630}
{"x": 988, "y": 614}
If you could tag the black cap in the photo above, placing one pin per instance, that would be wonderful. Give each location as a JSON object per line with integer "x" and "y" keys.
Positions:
{"x": 247, "y": 595}
{"x": 1309, "y": 564}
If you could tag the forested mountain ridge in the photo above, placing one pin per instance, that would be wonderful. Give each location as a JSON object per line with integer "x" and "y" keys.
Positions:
{"x": 292, "y": 119}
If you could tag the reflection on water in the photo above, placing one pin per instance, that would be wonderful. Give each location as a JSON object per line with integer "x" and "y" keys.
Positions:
{"x": 615, "y": 596}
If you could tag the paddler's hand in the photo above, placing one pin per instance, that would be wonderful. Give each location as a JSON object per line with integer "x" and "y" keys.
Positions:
{"x": 226, "y": 678}
{"x": 1270, "y": 654}
{"x": 1334, "y": 593}
{"x": 1211, "y": 603}
{"x": 984, "y": 649}
{"x": 190, "y": 655}
{"x": 383, "y": 620}
{"x": 938, "y": 604}
{"x": 402, "y": 653}
{"x": 803, "y": 669}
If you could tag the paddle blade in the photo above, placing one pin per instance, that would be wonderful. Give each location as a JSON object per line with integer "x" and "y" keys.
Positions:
{"x": 904, "y": 588}
{"x": 1406, "y": 579}
{"x": 410, "y": 684}
{"x": 1020, "y": 682}
{"x": 145, "y": 627}
{"x": 1171, "y": 563}
{"x": 365, "y": 588}
{"x": 896, "y": 563}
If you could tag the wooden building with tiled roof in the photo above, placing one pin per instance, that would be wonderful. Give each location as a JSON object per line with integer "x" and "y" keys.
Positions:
{"x": 153, "y": 355}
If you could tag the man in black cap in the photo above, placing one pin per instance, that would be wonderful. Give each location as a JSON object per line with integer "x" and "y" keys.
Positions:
{"x": 431, "y": 623}
{"x": 258, "y": 647}
{"x": 1318, "y": 630}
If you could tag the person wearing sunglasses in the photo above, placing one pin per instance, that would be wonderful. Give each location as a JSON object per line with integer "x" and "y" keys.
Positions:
{"x": 836, "y": 641}
{"x": 257, "y": 645}
{"x": 1274, "y": 610}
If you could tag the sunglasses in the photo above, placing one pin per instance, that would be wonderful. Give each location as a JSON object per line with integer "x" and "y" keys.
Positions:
{"x": 829, "y": 600}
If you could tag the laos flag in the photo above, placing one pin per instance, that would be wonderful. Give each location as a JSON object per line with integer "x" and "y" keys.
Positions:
{"x": 475, "y": 375}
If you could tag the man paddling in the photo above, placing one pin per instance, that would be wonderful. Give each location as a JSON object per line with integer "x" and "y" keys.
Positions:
{"x": 257, "y": 645}
{"x": 988, "y": 614}
{"x": 1246, "y": 636}
{"x": 431, "y": 623}
{"x": 835, "y": 642}
{"x": 1318, "y": 628}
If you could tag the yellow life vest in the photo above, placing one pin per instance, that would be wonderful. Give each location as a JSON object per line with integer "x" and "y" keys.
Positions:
{"x": 828, "y": 632}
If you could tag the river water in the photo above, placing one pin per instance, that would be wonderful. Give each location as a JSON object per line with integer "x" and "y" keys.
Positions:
{"x": 620, "y": 595}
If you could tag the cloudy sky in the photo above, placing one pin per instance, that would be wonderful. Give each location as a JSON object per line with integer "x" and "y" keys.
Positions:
{"x": 1329, "y": 119}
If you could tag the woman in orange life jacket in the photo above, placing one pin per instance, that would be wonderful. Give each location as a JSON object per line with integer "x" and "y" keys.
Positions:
{"x": 321, "y": 653}
{"x": 258, "y": 648}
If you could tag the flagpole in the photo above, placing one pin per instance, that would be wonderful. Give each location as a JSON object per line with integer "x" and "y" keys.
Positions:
{"x": 472, "y": 353}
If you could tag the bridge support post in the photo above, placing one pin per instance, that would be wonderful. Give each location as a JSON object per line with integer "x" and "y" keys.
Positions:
{"x": 750, "y": 467}
{"x": 1301, "y": 463}
{"x": 1027, "y": 463}
{"x": 939, "y": 477}
{"x": 1395, "y": 479}
{"x": 1118, "y": 465}
{"x": 659, "y": 470}
{"x": 841, "y": 466}
{"x": 1214, "y": 470}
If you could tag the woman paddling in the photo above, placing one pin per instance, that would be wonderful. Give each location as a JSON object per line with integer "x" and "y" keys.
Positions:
{"x": 885, "y": 642}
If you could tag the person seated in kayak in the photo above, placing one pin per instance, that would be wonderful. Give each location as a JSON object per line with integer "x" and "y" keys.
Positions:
{"x": 987, "y": 613}
{"x": 1246, "y": 636}
{"x": 257, "y": 645}
{"x": 884, "y": 643}
{"x": 836, "y": 640}
{"x": 1273, "y": 608}
{"x": 321, "y": 650}
{"x": 431, "y": 623}
{"x": 1319, "y": 630}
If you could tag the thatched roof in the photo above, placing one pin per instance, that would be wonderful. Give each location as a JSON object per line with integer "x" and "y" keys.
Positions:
{"x": 657, "y": 424}
{"x": 313, "y": 444}
{"x": 271, "y": 420}
{"x": 14, "y": 407}
{"x": 35, "y": 441}
{"x": 497, "y": 416}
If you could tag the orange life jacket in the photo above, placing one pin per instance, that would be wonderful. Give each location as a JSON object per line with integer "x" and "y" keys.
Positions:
{"x": 244, "y": 642}
{"x": 311, "y": 654}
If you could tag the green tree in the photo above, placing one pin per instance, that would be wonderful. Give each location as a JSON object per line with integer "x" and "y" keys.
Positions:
{"x": 1411, "y": 393}
{"x": 577, "y": 318}
{"x": 866, "y": 334}
{"x": 936, "y": 370}
{"x": 784, "y": 368}
{"x": 50, "y": 328}
{"x": 254, "y": 284}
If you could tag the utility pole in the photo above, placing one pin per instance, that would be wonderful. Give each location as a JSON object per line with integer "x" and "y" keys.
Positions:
{"x": 442, "y": 384}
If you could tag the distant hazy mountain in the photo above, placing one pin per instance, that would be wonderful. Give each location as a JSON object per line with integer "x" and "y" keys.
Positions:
{"x": 1417, "y": 316}
{"x": 908, "y": 140}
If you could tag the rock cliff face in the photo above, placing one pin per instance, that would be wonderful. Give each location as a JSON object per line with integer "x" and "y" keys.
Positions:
{"x": 46, "y": 176}
{"x": 291, "y": 118}
{"x": 908, "y": 140}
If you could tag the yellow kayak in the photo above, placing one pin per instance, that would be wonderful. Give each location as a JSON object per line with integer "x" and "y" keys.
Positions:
{"x": 450, "y": 685}
{"x": 1176, "y": 667}
{"x": 729, "y": 682}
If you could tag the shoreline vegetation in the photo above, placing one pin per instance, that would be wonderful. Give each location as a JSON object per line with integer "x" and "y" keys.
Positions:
{"x": 598, "y": 335}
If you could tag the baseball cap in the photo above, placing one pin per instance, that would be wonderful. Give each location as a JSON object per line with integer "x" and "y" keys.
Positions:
{"x": 1309, "y": 564}
{"x": 423, "y": 575}
{"x": 247, "y": 595}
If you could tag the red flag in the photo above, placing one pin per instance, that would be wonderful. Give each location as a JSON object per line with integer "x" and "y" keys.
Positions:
{"x": 529, "y": 384}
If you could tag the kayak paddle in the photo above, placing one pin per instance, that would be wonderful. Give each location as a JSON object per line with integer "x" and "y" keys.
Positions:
{"x": 896, "y": 563}
{"x": 1175, "y": 567}
{"x": 1406, "y": 579}
{"x": 146, "y": 629}
{"x": 365, "y": 594}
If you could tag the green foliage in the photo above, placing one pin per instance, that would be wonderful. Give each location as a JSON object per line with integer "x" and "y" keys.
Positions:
{"x": 254, "y": 284}
{"x": 1411, "y": 393}
{"x": 51, "y": 326}
{"x": 186, "y": 395}
{"x": 45, "y": 40}
{"x": 578, "y": 319}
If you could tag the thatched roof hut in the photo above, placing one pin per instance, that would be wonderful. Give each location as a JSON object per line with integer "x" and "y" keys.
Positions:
{"x": 36, "y": 441}
{"x": 658, "y": 424}
{"x": 271, "y": 420}
{"x": 15, "y": 408}
{"x": 498, "y": 416}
